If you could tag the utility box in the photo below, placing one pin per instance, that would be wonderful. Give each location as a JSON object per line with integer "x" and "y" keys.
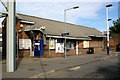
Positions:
{"x": 91, "y": 50}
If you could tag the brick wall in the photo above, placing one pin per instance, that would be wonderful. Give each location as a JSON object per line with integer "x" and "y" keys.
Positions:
{"x": 114, "y": 40}
{"x": 0, "y": 30}
{"x": 22, "y": 35}
{"x": 24, "y": 53}
{"x": 96, "y": 43}
{"x": 83, "y": 51}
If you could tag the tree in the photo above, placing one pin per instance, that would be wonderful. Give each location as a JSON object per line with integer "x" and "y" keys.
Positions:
{"x": 115, "y": 29}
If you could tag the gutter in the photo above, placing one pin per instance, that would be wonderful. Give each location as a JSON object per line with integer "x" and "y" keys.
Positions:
{"x": 95, "y": 36}
{"x": 28, "y": 22}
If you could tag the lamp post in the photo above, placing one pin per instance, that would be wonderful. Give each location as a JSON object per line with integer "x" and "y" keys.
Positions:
{"x": 65, "y": 23}
{"x": 11, "y": 37}
{"x": 107, "y": 6}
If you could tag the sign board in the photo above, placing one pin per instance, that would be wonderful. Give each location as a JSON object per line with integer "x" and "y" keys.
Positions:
{"x": 64, "y": 34}
{"x": 24, "y": 44}
{"x": 85, "y": 44}
{"x": 37, "y": 43}
{"x": 59, "y": 47}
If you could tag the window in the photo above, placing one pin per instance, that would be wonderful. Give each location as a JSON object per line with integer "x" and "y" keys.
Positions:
{"x": 24, "y": 44}
{"x": 70, "y": 45}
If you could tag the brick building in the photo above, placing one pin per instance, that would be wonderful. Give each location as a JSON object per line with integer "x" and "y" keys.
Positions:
{"x": 41, "y": 37}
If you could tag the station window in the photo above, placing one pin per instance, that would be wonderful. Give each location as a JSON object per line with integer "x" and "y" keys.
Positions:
{"x": 70, "y": 45}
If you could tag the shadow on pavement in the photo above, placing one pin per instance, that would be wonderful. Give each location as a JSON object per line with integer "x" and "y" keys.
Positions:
{"x": 109, "y": 72}
{"x": 18, "y": 61}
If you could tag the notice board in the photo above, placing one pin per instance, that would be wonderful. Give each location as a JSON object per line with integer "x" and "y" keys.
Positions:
{"x": 59, "y": 47}
{"x": 51, "y": 44}
{"x": 85, "y": 44}
{"x": 24, "y": 44}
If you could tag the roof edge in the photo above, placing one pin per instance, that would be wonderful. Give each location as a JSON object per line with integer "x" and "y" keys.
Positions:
{"x": 87, "y": 38}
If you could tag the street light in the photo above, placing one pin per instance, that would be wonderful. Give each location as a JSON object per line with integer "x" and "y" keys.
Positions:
{"x": 107, "y": 6}
{"x": 65, "y": 23}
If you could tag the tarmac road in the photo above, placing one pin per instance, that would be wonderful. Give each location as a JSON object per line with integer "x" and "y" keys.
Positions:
{"x": 107, "y": 68}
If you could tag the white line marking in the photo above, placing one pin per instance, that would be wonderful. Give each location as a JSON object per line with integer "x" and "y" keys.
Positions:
{"x": 75, "y": 68}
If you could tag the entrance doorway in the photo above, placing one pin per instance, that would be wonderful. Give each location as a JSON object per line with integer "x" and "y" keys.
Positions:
{"x": 38, "y": 47}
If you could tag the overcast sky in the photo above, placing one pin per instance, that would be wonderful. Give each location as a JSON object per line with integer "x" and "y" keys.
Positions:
{"x": 90, "y": 13}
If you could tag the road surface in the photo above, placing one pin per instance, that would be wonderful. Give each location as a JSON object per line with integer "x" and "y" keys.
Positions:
{"x": 107, "y": 68}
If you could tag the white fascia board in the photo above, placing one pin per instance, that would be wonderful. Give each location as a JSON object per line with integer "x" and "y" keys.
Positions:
{"x": 0, "y": 34}
{"x": 23, "y": 21}
{"x": 27, "y": 30}
{"x": 96, "y": 36}
{"x": 36, "y": 29}
{"x": 91, "y": 35}
{"x": 68, "y": 37}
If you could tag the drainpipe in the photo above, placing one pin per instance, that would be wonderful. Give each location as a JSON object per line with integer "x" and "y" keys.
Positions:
{"x": 49, "y": 46}
{"x": 17, "y": 43}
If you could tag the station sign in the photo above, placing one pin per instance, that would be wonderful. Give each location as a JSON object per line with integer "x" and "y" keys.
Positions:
{"x": 64, "y": 34}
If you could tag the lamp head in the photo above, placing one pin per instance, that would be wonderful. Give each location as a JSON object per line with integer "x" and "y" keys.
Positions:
{"x": 109, "y": 19}
{"x": 110, "y": 5}
{"x": 75, "y": 7}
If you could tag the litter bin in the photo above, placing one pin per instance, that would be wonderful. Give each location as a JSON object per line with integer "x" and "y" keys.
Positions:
{"x": 91, "y": 50}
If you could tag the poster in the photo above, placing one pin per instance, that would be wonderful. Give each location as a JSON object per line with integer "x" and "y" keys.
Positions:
{"x": 85, "y": 44}
{"x": 24, "y": 44}
{"x": 59, "y": 47}
{"x": 51, "y": 44}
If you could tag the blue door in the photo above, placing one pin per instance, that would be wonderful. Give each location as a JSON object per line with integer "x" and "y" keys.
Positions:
{"x": 38, "y": 47}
